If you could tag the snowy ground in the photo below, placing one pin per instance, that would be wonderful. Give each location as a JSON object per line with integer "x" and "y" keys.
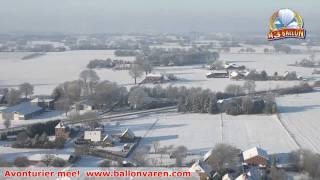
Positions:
{"x": 300, "y": 114}
{"x": 200, "y": 132}
{"x": 47, "y": 71}
{"x": 194, "y": 76}
{"x": 51, "y": 69}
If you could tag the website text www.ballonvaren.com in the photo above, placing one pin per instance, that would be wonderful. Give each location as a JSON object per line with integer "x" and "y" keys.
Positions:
{"x": 129, "y": 173}
{"x": 95, "y": 173}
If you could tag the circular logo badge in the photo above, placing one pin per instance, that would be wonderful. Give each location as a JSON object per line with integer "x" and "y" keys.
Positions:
{"x": 285, "y": 19}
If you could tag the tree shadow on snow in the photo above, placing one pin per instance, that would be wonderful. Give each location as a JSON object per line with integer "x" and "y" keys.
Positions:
{"x": 294, "y": 109}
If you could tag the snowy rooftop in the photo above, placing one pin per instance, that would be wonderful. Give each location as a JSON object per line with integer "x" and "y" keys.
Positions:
{"x": 200, "y": 167}
{"x": 60, "y": 125}
{"x": 23, "y": 108}
{"x": 129, "y": 132}
{"x": 248, "y": 154}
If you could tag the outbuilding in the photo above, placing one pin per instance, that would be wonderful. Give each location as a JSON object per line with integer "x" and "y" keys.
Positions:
{"x": 22, "y": 111}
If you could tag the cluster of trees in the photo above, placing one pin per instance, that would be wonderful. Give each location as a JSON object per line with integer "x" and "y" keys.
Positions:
{"x": 306, "y": 161}
{"x": 51, "y": 160}
{"x": 108, "y": 63}
{"x": 248, "y": 87}
{"x": 48, "y": 160}
{"x": 224, "y": 158}
{"x": 179, "y": 57}
{"x": 126, "y": 53}
{"x": 197, "y": 100}
{"x": 103, "y": 94}
{"x": 308, "y": 62}
{"x": 257, "y": 76}
{"x": 248, "y": 50}
{"x": 21, "y": 161}
{"x": 36, "y": 136}
{"x": 100, "y": 63}
{"x": 282, "y": 48}
{"x": 13, "y": 96}
{"x": 250, "y": 105}
{"x": 297, "y": 89}
{"x": 38, "y": 141}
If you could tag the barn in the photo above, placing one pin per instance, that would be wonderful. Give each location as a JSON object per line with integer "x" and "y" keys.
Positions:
{"x": 22, "y": 111}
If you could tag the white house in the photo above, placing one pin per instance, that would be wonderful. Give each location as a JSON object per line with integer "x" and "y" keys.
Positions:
{"x": 94, "y": 136}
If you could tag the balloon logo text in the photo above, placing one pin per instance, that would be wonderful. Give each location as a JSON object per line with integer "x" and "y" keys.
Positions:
{"x": 286, "y": 23}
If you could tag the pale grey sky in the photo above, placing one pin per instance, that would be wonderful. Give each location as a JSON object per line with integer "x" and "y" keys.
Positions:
{"x": 102, "y": 16}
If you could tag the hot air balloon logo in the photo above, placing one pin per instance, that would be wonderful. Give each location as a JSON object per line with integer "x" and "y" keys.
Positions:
{"x": 286, "y": 23}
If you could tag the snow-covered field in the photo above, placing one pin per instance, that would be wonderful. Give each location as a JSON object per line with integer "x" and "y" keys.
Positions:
{"x": 47, "y": 71}
{"x": 269, "y": 62}
{"x": 200, "y": 132}
{"x": 52, "y": 69}
{"x": 194, "y": 76}
{"x": 300, "y": 114}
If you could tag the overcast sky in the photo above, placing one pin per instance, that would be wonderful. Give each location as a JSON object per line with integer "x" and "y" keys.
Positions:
{"x": 103, "y": 16}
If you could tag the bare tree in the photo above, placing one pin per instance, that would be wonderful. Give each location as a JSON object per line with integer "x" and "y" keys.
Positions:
{"x": 13, "y": 97}
{"x": 90, "y": 78}
{"x": 26, "y": 89}
{"x": 139, "y": 155}
{"x": 135, "y": 72}
{"x": 63, "y": 105}
{"x": 180, "y": 153}
{"x": 156, "y": 145}
{"x": 137, "y": 98}
{"x": 145, "y": 64}
{"x": 249, "y": 86}
{"x": 224, "y": 157}
{"x": 7, "y": 122}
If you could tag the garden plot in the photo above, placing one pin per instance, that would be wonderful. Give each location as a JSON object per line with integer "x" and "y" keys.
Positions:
{"x": 265, "y": 131}
{"x": 300, "y": 114}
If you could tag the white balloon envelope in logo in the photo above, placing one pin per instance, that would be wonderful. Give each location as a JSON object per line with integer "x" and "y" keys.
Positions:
{"x": 286, "y": 16}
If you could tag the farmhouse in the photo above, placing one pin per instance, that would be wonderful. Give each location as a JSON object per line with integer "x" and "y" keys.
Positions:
{"x": 22, "y": 111}
{"x": 153, "y": 78}
{"x": 218, "y": 74}
{"x": 45, "y": 102}
{"x": 256, "y": 157}
{"x": 127, "y": 136}
{"x": 203, "y": 170}
{"x": 61, "y": 131}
